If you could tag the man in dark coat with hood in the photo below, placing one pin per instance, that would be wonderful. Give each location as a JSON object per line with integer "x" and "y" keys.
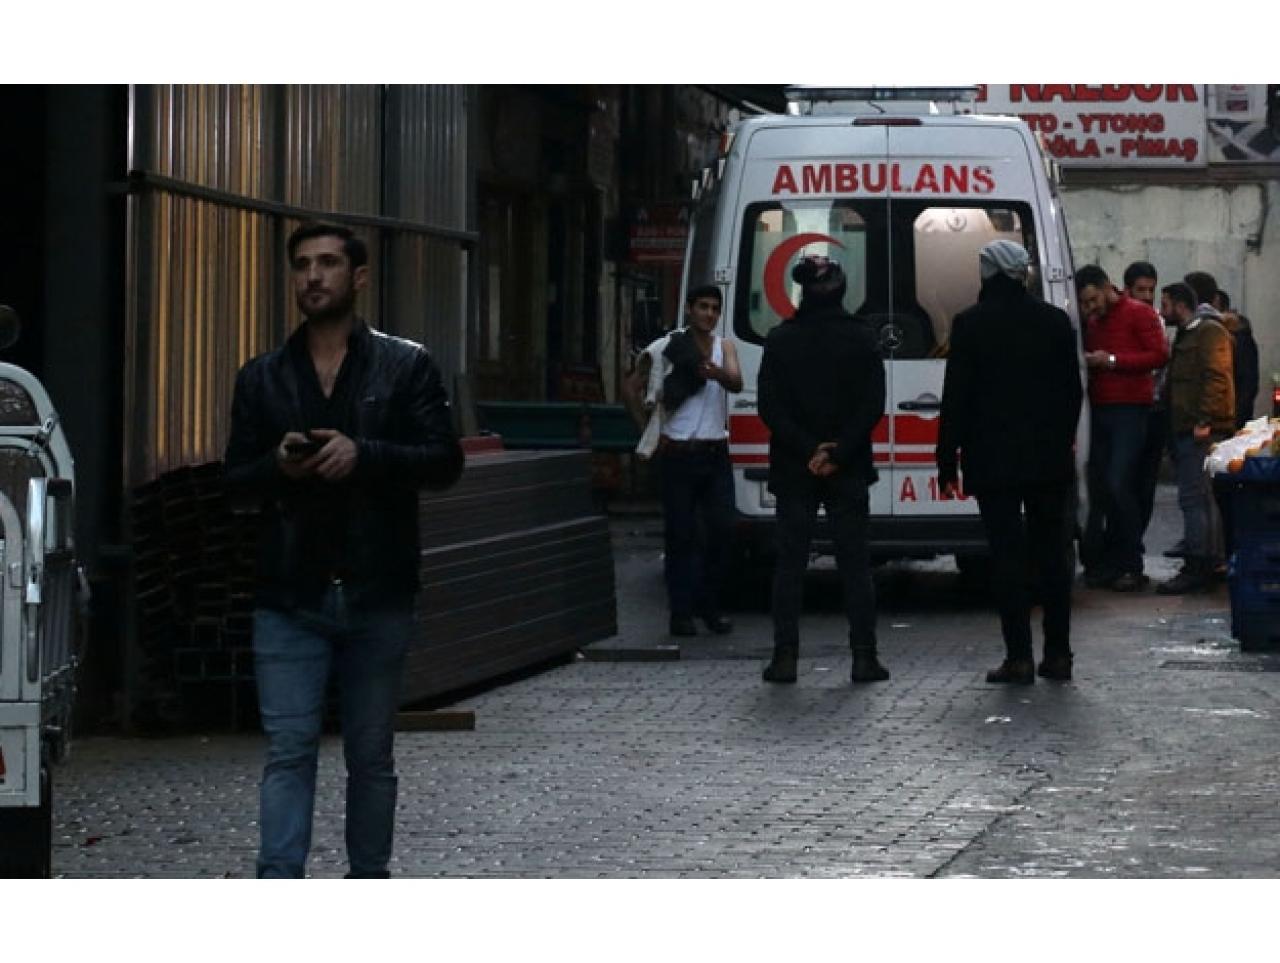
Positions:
{"x": 821, "y": 394}
{"x": 1010, "y": 403}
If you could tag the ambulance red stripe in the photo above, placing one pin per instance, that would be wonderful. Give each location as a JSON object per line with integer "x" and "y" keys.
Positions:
{"x": 907, "y": 430}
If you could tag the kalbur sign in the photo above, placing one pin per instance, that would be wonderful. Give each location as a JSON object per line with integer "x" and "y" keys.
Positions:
{"x": 1108, "y": 125}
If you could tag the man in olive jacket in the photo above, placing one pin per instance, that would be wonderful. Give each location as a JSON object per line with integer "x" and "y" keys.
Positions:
{"x": 1202, "y": 410}
{"x": 1010, "y": 403}
{"x": 821, "y": 395}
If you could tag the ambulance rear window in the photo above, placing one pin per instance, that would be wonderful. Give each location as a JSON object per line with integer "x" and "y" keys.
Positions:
{"x": 945, "y": 242}
{"x": 775, "y": 234}
{"x": 912, "y": 264}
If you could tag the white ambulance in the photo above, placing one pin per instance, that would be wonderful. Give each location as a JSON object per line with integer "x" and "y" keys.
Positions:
{"x": 903, "y": 187}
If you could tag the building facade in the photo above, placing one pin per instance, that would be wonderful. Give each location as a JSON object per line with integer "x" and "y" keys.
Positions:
{"x": 144, "y": 247}
{"x": 1185, "y": 176}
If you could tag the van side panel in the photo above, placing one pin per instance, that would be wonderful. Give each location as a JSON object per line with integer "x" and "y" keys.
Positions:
{"x": 945, "y": 169}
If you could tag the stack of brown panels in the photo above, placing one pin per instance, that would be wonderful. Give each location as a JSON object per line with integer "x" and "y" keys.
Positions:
{"x": 517, "y": 570}
{"x": 193, "y": 594}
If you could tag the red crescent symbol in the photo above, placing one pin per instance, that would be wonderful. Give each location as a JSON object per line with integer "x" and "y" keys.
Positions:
{"x": 775, "y": 289}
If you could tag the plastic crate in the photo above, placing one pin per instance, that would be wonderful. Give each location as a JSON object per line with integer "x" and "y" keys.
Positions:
{"x": 1255, "y": 607}
{"x": 1255, "y": 499}
{"x": 1256, "y": 591}
{"x": 1257, "y": 555}
{"x": 1255, "y": 511}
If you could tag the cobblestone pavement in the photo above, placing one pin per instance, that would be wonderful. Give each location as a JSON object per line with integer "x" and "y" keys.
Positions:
{"x": 1158, "y": 760}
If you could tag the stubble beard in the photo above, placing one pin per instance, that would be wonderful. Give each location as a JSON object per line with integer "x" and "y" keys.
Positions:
{"x": 337, "y": 309}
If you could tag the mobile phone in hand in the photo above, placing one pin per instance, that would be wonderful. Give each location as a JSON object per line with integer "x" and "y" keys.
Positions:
{"x": 302, "y": 449}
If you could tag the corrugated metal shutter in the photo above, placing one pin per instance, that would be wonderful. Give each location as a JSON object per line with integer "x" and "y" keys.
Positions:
{"x": 428, "y": 180}
{"x": 222, "y": 174}
{"x": 209, "y": 282}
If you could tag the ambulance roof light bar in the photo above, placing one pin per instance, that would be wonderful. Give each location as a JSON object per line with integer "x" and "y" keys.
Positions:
{"x": 803, "y": 98}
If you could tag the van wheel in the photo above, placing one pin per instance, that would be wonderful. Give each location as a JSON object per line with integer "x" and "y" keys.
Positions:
{"x": 26, "y": 837}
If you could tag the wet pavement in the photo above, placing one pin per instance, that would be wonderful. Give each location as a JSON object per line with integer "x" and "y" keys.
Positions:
{"x": 651, "y": 756}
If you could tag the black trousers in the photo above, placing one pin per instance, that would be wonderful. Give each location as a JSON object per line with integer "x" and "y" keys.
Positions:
{"x": 1026, "y": 529}
{"x": 846, "y": 500}
{"x": 697, "y": 508}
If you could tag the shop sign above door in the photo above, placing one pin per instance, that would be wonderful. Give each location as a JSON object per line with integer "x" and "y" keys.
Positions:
{"x": 1108, "y": 125}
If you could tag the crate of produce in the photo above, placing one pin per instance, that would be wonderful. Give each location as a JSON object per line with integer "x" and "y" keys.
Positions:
{"x": 1254, "y": 493}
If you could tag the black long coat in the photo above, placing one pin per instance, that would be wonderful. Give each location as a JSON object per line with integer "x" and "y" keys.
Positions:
{"x": 821, "y": 379}
{"x": 1012, "y": 393}
{"x": 1245, "y": 370}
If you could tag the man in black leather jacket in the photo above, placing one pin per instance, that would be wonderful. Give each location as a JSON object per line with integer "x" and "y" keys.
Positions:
{"x": 822, "y": 391}
{"x": 332, "y": 435}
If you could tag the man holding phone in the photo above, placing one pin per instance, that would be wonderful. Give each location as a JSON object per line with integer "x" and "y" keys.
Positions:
{"x": 332, "y": 435}
{"x": 302, "y": 449}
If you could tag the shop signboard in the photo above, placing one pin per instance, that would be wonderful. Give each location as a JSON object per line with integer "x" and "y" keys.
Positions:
{"x": 1108, "y": 125}
{"x": 1244, "y": 123}
{"x": 658, "y": 234}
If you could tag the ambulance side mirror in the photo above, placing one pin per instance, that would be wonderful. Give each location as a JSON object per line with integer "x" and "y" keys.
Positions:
{"x": 10, "y": 327}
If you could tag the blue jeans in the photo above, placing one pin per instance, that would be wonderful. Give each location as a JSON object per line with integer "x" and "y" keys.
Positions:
{"x": 1113, "y": 534}
{"x": 697, "y": 506}
{"x": 294, "y": 653}
{"x": 1194, "y": 495}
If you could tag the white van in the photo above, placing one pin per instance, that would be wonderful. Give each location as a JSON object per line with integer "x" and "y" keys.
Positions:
{"x": 903, "y": 191}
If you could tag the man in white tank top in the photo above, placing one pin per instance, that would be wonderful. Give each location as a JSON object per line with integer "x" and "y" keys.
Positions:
{"x": 696, "y": 478}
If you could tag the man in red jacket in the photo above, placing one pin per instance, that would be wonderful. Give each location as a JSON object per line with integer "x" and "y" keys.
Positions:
{"x": 1123, "y": 343}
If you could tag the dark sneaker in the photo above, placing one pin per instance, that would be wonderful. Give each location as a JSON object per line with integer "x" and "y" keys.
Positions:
{"x": 781, "y": 669}
{"x": 682, "y": 625}
{"x": 867, "y": 668}
{"x": 717, "y": 624}
{"x": 1129, "y": 582}
{"x": 1057, "y": 668}
{"x": 1013, "y": 672}
{"x": 1195, "y": 576}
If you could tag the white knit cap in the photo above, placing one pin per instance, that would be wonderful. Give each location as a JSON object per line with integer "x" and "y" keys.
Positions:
{"x": 1005, "y": 257}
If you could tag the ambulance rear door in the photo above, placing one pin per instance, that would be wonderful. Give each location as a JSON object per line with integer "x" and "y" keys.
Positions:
{"x": 804, "y": 191}
{"x": 955, "y": 185}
